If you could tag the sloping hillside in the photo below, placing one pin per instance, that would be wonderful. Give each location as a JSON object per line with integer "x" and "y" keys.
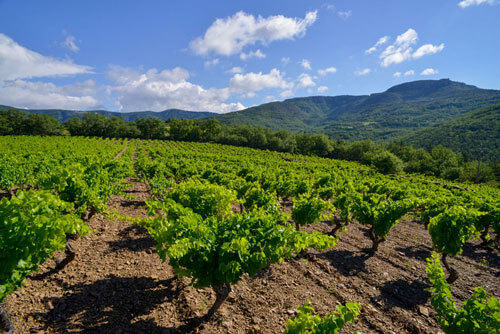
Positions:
{"x": 63, "y": 115}
{"x": 470, "y": 133}
{"x": 396, "y": 112}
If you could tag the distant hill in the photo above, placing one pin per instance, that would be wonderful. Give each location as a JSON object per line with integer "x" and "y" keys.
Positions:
{"x": 469, "y": 133}
{"x": 394, "y": 113}
{"x": 64, "y": 115}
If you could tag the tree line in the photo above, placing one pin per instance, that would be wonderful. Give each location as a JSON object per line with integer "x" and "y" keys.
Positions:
{"x": 391, "y": 158}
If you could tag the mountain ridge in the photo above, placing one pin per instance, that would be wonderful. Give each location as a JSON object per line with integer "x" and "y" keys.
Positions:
{"x": 474, "y": 133}
{"x": 395, "y": 113}
{"x": 63, "y": 114}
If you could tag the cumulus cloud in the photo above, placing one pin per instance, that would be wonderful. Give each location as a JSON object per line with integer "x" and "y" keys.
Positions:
{"x": 285, "y": 61}
{"x": 402, "y": 49}
{"x": 230, "y": 35}
{"x": 252, "y": 54}
{"x": 306, "y": 64}
{"x": 468, "y": 3}
{"x": 248, "y": 95}
{"x": 158, "y": 91}
{"x": 46, "y": 95}
{"x": 329, "y": 6}
{"x": 428, "y": 49}
{"x": 429, "y": 71}
{"x": 70, "y": 43}
{"x": 344, "y": 14}
{"x": 322, "y": 89}
{"x": 270, "y": 98}
{"x": 397, "y": 74}
{"x": 252, "y": 82}
{"x": 410, "y": 72}
{"x": 17, "y": 62}
{"x": 236, "y": 69}
{"x": 286, "y": 93}
{"x": 305, "y": 80}
{"x": 211, "y": 63}
{"x": 328, "y": 70}
{"x": 381, "y": 41}
{"x": 365, "y": 71}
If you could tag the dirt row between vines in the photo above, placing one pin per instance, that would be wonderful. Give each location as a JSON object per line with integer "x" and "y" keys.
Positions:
{"x": 119, "y": 285}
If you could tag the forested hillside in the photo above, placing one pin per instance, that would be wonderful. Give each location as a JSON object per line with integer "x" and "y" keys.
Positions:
{"x": 395, "y": 113}
{"x": 63, "y": 115}
{"x": 473, "y": 133}
{"x": 381, "y": 116}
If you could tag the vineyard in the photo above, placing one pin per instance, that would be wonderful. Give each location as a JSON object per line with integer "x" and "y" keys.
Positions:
{"x": 145, "y": 236}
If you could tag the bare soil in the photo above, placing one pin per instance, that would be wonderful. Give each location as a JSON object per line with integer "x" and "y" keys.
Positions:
{"x": 118, "y": 284}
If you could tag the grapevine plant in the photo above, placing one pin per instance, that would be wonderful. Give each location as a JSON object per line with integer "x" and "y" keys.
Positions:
{"x": 310, "y": 210}
{"x": 381, "y": 214}
{"x": 33, "y": 225}
{"x": 307, "y": 323}
{"x": 450, "y": 230}
{"x": 343, "y": 201}
{"x": 204, "y": 199}
{"x": 490, "y": 219}
{"x": 216, "y": 251}
{"x": 477, "y": 315}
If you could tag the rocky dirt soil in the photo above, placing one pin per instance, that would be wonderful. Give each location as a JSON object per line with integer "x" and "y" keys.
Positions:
{"x": 118, "y": 284}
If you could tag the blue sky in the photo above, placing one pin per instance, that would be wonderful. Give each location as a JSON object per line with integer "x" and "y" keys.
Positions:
{"x": 226, "y": 55}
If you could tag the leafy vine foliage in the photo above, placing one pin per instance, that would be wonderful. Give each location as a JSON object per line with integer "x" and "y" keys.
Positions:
{"x": 307, "y": 323}
{"x": 194, "y": 216}
{"x": 217, "y": 250}
{"x": 310, "y": 210}
{"x": 33, "y": 226}
{"x": 381, "y": 214}
{"x": 477, "y": 315}
{"x": 69, "y": 179}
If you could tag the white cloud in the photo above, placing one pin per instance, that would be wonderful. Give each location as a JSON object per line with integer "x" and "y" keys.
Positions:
{"x": 88, "y": 87}
{"x": 252, "y": 82}
{"x": 429, "y": 71}
{"x": 467, "y": 3}
{"x": 306, "y": 64}
{"x": 286, "y": 93}
{"x": 17, "y": 62}
{"x": 427, "y": 49}
{"x": 371, "y": 50}
{"x": 285, "y": 61}
{"x": 362, "y": 72}
{"x": 270, "y": 98}
{"x": 381, "y": 41}
{"x": 248, "y": 95}
{"x": 46, "y": 95}
{"x": 328, "y": 70}
{"x": 397, "y": 74}
{"x": 345, "y": 14}
{"x": 69, "y": 42}
{"x": 236, "y": 69}
{"x": 305, "y": 80}
{"x": 329, "y": 6}
{"x": 230, "y": 35}
{"x": 322, "y": 89}
{"x": 252, "y": 54}
{"x": 410, "y": 72}
{"x": 158, "y": 91}
{"x": 210, "y": 63}
{"x": 402, "y": 50}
